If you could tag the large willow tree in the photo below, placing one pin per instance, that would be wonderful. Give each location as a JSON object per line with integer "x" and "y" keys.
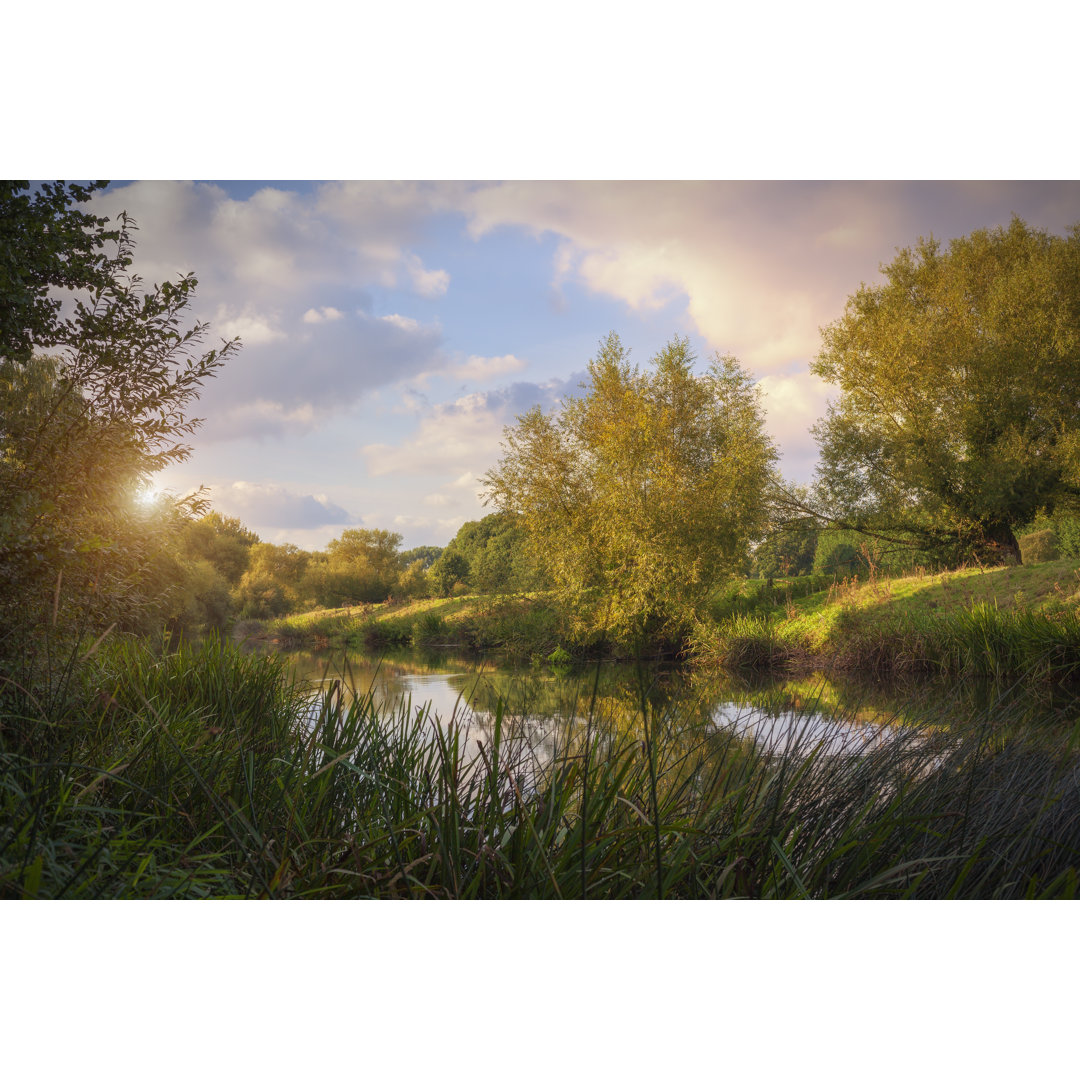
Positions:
{"x": 640, "y": 496}
{"x": 959, "y": 412}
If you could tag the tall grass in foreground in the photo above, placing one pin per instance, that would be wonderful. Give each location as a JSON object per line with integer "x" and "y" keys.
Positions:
{"x": 207, "y": 773}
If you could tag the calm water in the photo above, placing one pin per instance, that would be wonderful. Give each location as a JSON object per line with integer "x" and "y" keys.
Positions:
{"x": 838, "y": 716}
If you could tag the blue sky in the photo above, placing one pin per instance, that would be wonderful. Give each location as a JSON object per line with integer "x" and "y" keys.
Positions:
{"x": 391, "y": 330}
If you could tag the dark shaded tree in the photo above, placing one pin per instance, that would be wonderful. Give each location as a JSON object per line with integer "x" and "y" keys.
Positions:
{"x": 46, "y": 244}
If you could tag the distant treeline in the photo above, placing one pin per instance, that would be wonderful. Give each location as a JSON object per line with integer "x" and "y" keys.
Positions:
{"x": 228, "y": 572}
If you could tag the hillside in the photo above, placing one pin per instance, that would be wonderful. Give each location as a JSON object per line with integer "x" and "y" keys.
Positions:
{"x": 1010, "y": 621}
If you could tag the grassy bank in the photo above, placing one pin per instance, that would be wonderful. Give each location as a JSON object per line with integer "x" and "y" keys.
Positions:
{"x": 1008, "y": 622}
{"x": 207, "y": 773}
{"x": 520, "y": 627}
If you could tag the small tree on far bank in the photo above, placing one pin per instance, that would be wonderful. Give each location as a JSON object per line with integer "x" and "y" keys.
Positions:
{"x": 448, "y": 570}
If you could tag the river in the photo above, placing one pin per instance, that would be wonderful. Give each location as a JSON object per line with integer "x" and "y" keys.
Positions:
{"x": 828, "y": 714}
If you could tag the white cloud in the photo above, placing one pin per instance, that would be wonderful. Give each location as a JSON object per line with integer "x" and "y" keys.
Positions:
{"x": 271, "y": 505}
{"x": 269, "y": 260}
{"x": 251, "y": 328}
{"x": 293, "y": 384}
{"x": 462, "y": 434}
{"x": 486, "y": 368}
{"x": 323, "y": 314}
{"x": 429, "y": 283}
{"x": 258, "y": 419}
{"x": 759, "y": 267}
{"x": 793, "y": 403}
{"x": 402, "y": 322}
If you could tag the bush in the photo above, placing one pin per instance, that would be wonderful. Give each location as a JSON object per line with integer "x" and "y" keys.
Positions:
{"x": 428, "y": 629}
{"x": 1039, "y": 547}
{"x": 1067, "y": 529}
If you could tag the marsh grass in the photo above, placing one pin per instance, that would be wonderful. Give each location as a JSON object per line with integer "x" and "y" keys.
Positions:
{"x": 203, "y": 772}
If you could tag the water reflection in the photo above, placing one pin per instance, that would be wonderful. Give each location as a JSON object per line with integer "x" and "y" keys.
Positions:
{"x": 545, "y": 709}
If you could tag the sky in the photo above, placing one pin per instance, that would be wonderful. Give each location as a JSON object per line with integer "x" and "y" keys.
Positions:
{"x": 391, "y": 330}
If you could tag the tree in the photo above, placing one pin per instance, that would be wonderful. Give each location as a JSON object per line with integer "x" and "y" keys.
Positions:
{"x": 787, "y": 550}
{"x": 369, "y": 561}
{"x": 494, "y": 551}
{"x": 426, "y": 555}
{"x": 85, "y": 426}
{"x": 272, "y": 584}
{"x": 959, "y": 397}
{"x": 46, "y": 244}
{"x": 449, "y": 569}
{"x": 224, "y": 542}
{"x": 640, "y": 496}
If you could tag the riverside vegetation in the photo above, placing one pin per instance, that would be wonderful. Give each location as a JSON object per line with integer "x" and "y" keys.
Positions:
{"x": 145, "y": 754}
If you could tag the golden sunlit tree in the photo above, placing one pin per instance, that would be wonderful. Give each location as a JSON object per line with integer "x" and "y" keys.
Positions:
{"x": 92, "y": 405}
{"x": 639, "y": 497}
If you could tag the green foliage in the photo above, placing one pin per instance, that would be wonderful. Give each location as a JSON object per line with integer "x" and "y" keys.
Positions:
{"x": 206, "y": 773}
{"x": 413, "y": 582}
{"x": 428, "y": 629}
{"x": 1040, "y": 546}
{"x": 224, "y": 542}
{"x": 559, "y": 657}
{"x": 426, "y": 554}
{"x": 1067, "y": 530}
{"x": 272, "y": 583}
{"x": 448, "y": 570}
{"x": 958, "y": 415}
{"x": 496, "y": 551}
{"x": 47, "y": 244}
{"x": 214, "y": 553}
{"x": 840, "y": 553}
{"x": 364, "y": 567}
{"x": 640, "y": 496}
{"x": 787, "y": 550}
{"x": 84, "y": 429}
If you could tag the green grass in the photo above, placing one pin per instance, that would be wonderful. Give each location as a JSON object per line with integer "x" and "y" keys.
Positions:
{"x": 196, "y": 774}
{"x": 1008, "y": 622}
{"x": 520, "y": 627}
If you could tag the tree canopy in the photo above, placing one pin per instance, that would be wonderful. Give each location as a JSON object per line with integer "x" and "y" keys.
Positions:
{"x": 639, "y": 496}
{"x": 85, "y": 424}
{"x": 46, "y": 244}
{"x": 959, "y": 410}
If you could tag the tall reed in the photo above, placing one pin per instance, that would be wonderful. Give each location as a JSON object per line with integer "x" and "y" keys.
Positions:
{"x": 208, "y": 773}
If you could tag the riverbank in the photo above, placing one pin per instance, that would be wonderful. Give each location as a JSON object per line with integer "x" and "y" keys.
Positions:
{"x": 521, "y": 627}
{"x": 1008, "y": 622}
{"x": 1017, "y": 622}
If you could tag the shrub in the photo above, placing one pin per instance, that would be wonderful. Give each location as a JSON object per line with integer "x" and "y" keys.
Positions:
{"x": 1039, "y": 547}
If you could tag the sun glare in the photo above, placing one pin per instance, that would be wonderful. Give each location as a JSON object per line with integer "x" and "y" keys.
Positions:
{"x": 147, "y": 496}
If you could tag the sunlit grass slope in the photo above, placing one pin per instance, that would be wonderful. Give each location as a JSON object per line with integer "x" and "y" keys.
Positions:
{"x": 521, "y": 626}
{"x": 1021, "y": 621}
